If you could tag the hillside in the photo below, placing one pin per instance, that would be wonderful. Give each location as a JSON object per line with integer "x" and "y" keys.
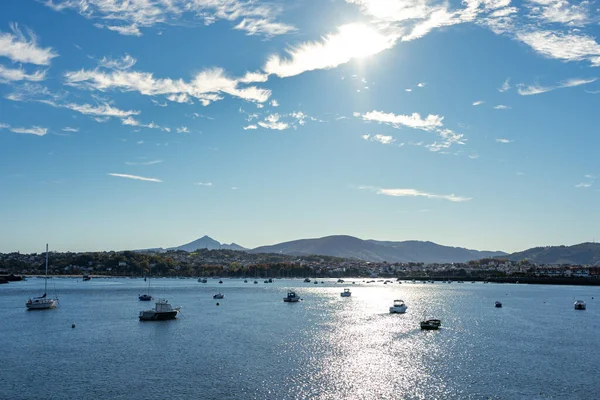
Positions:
{"x": 581, "y": 254}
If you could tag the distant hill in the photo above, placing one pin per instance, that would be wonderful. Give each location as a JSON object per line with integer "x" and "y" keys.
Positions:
{"x": 377, "y": 251}
{"x": 584, "y": 253}
{"x": 206, "y": 242}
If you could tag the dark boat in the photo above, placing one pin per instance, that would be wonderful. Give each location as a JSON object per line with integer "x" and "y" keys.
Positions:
{"x": 431, "y": 324}
{"x": 291, "y": 297}
{"x": 86, "y": 277}
{"x": 218, "y": 296}
{"x": 498, "y": 304}
{"x": 145, "y": 297}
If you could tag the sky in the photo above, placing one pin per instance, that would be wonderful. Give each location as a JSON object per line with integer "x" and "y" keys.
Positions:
{"x": 129, "y": 124}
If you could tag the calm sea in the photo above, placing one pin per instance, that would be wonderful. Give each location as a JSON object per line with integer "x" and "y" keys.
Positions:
{"x": 254, "y": 346}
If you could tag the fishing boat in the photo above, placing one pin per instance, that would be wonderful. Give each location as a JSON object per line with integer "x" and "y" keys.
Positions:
{"x": 580, "y": 305}
{"x": 291, "y": 297}
{"x": 346, "y": 293}
{"x": 398, "y": 308}
{"x": 431, "y": 324}
{"x": 42, "y": 302}
{"x": 162, "y": 311}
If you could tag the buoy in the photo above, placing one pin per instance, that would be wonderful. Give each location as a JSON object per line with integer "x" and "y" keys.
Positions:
{"x": 218, "y": 304}
{"x": 72, "y": 325}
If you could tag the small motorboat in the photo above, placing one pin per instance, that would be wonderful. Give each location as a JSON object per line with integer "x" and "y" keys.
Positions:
{"x": 398, "y": 308}
{"x": 498, "y": 304}
{"x": 580, "y": 305}
{"x": 202, "y": 280}
{"x": 161, "y": 311}
{"x": 431, "y": 324}
{"x": 245, "y": 280}
{"x": 218, "y": 296}
{"x": 145, "y": 297}
{"x": 86, "y": 277}
{"x": 340, "y": 281}
{"x": 316, "y": 282}
{"x": 266, "y": 282}
{"x": 346, "y": 293}
{"x": 220, "y": 281}
{"x": 307, "y": 280}
{"x": 255, "y": 282}
{"x": 291, "y": 297}
{"x": 270, "y": 280}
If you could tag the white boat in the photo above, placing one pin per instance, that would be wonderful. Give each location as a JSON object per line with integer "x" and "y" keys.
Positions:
{"x": 291, "y": 297}
{"x": 346, "y": 293}
{"x": 43, "y": 302}
{"x": 398, "y": 308}
{"x": 162, "y": 310}
{"x": 580, "y": 305}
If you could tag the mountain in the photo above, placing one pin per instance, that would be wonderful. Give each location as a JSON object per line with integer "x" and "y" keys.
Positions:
{"x": 581, "y": 254}
{"x": 206, "y": 242}
{"x": 374, "y": 250}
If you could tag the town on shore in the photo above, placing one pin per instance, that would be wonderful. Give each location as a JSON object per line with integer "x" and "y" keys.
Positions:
{"x": 231, "y": 263}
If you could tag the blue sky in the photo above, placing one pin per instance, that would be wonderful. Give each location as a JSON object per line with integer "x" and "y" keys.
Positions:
{"x": 145, "y": 123}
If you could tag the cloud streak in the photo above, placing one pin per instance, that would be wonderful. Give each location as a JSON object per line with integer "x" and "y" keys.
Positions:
{"x": 415, "y": 193}
{"x": 528, "y": 90}
{"x": 23, "y": 48}
{"x": 135, "y": 177}
{"x": 35, "y": 130}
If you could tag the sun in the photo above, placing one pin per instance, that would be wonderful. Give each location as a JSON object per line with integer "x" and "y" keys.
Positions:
{"x": 358, "y": 40}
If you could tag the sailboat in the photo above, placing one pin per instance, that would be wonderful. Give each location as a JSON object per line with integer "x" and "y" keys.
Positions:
{"x": 146, "y": 296}
{"x": 42, "y": 302}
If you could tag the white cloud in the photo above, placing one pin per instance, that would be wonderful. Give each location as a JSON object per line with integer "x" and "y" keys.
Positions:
{"x": 250, "y": 127}
{"x": 134, "y": 122}
{"x": 102, "y": 110}
{"x": 564, "y": 46}
{"x": 383, "y": 139}
{"x": 274, "y": 103}
{"x": 273, "y": 122}
{"x": 351, "y": 41}
{"x": 3, "y": 126}
{"x": 205, "y": 86}
{"x": 24, "y": 48}
{"x": 139, "y": 178}
{"x": 583, "y": 185}
{"x": 560, "y": 11}
{"x": 19, "y": 74}
{"x": 252, "y": 77}
{"x": 204, "y": 184}
{"x": 127, "y": 17}
{"x": 474, "y": 156}
{"x": 414, "y": 193}
{"x": 502, "y": 140}
{"x": 478, "y": 102}
{"x": 505, "y": 86}
{"x": 69, "y": 129}
{"x": 412, "y": 121}
{"x": 35, "y": 130}
{"x": 589, "y": 176}
{"x": 143, "y": 162}
{"x": 420, "y": 84}
{"x": 122, "y": 63}
{"x": 183, "y": 129}
{"x": 527, "y": 90}
{"x": 501, "y": 107}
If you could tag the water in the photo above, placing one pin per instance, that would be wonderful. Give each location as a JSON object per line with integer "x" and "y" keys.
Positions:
{"x": 255, "y": 346}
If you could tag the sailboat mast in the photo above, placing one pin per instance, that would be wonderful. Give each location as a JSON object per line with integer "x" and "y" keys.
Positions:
{"x": 46, "y": 278}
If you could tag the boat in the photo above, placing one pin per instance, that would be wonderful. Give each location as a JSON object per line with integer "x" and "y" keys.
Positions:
{"x": 162, "y": 311}
{"x": 580, "y": 305}
{"x": 220, "y": 281}
{"x": 146, "y": 296}
{"x": 307, "y": 280}
{"x": 340, "y": 281}
{"x": 255, "y": 282}
{"x": 431, "y": 324}
{"x": 346, "y": 293}
{"x": 86, "y": 277}
{"x": 498, "y": 304}
{"x": 398, "y": 308}
{"x": 270, "y": 280}
{"x": 291, "y": 297}
{"x": 42, "y": 302}
{"x": 245, "y": 280}
{"x": 202, "y": 280}
{"x": 218, "y": 296}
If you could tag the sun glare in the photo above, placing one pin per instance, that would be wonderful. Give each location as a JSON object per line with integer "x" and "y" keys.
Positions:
{"x": 358, "y": 40}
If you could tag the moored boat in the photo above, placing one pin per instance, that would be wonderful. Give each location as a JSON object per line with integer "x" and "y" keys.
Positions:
{"x": 346, "y": 293}
{"x": 291, "y": 297}
{"x": 580, "y": 305}
{"x": 431, "y": 324}
{"x": 42, "y": 302}
{"x": 161, "y": 311}
{"x": 398, "y": 308}
{"x": 218, "y": 296}
{"x": 498, "y": 304}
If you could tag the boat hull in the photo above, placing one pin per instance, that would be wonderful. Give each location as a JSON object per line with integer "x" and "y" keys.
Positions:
{"x": 41, "y": 304}
{"x": 398, "y": 310}
{"x": 158, "y": 316}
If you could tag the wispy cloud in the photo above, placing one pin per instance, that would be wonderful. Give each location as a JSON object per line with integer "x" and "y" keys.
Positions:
{"x": 527, "y": 90}
{"x": 206, "y": 86}
{"x": 478, "y": 102}
{"x": 103, "y": 110}
{"x": 414, "y": 193}
{"x": 274, "y": 103}
{"x": 134, "y": 122}
{"x": 505, "y": 86}
{"x": 128, "y": 17}
{"x": 351, "y": 41}
{"x": 69, "y": 129}
{"x": 383, "y": 139}
{"x": 502, "y": 140}
{"x": 569, "y": 46}
{"x": 23, "y": 48}
{"x": 35, "y": 130}
{"x": 204, "y": 184}
{"x": 501, "y": 107}
{"x": 19, "y": 74}
{"x": 122, "y": 63}
{"x": 139, "y": 178}
{"x": 143, "y": 162}
{"x": 183, "y": 129}
{"x": 273, "y": 122}
{"x": 252, "y": 126}
{"x": 583, "y": 185}
{"x": 412, "y": 121}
